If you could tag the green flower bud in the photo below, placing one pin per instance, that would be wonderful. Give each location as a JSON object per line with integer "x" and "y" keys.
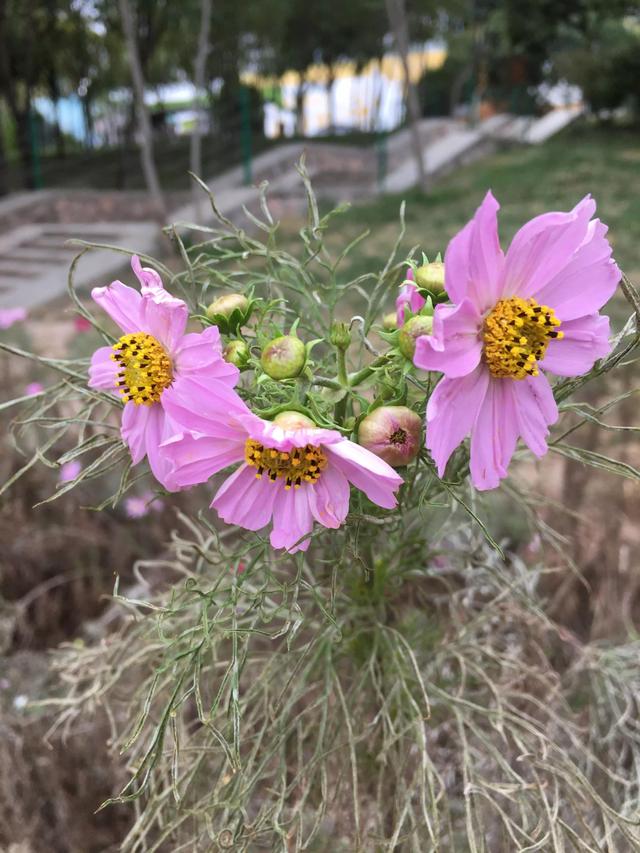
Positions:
{"x": 236, "y": 352}
{"x": 411, "y": 331}
{"x": 340, "y": 336}
{"x": 392, "y": 433}
{"x": 284, "y": 357}
{"x": 293, "y": 420}
{"x": 431, "y": 277}
{"x": 229, "y": 311}
{"x": 390, "y": 321}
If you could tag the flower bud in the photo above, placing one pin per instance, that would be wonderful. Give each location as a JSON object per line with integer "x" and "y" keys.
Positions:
{"x": 293, "y": 420}
{"x": 284, "y": 357}
{"x": 229, "y": 311}
{"x": 236, "y": 352}
{"x": 431, "y": 277}
{"x": 411, "y": 331}
{"x": 390, "y": 321}
{"x": 340, "y": 336}
{"x": 392, "y": 433}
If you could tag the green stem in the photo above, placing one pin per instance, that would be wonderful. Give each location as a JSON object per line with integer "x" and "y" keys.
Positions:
{"x": 366, "y": 372}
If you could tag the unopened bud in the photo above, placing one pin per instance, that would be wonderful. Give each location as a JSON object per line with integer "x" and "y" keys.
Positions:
{"x": 431, "y": 277}
{"x": 389, "y": 321}
{"x": 293, "y": 420}
{"x": 236, "y": 352}
{"x": 229, "y": 312}
{"x": 414, "y": 328}
{"x": 284, "y": 357}
{"x": 392, "y": 433}
{"x": 340, "y": 336}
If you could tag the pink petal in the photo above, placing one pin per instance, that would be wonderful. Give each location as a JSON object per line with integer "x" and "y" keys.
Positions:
{"x": 409, "y": 297}
{"x": 366, "y": 471}
{"x": 166, "y": 320}
{"x": 455, "y": 347}
{"x": 452, "y": 411}
{"x": 158, "y": 429}
{"x": 536, "y": 410}
{"x": 474, "y": 261}
{"x": 585, "y": 341}
{"x": 194, "y": 458}
{"x": 122, "y": 304}
{"x": 494, "y": 435}
{"x": 150, "y": 281}
{"x": 210, "y": 408}
{"x": 587, "y": 280}
{"x": 329, "y": 498}
{"x": 272, "y": 435}
{"x": 292, "y": 519}
{"x": 133, "y": 429}
{"x": 542, "y": 248}
{"x": 245, "y": 500}
{"x": 103, "y": 369}
{"x": 201, "y": 352}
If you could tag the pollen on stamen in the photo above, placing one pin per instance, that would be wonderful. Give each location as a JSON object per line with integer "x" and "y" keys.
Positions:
{"x": 300, "y": 465}
{"x": 145, "y": 368}
{"x": 516, "y": 336}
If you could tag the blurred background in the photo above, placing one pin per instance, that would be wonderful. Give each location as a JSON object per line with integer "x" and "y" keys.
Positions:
{"x": 104, "y": 109}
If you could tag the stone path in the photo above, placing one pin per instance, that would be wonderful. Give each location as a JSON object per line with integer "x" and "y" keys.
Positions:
{"x": 34, "y": 259}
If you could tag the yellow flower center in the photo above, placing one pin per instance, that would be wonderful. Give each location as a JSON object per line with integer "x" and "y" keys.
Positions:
{"x": 516, "y": 336}
{"x": 297, "y": 466}
{"x": 145, "y": 368}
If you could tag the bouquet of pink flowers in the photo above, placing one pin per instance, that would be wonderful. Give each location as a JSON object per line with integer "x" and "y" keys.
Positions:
{"x": 331, "y": 641}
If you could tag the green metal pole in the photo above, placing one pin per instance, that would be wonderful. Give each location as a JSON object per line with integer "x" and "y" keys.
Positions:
{"x": 36, "y": 170}
{"x": 245, "y": 133}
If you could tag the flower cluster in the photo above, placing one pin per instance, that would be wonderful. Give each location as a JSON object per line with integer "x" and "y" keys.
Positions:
{"x": 510, "y": 319}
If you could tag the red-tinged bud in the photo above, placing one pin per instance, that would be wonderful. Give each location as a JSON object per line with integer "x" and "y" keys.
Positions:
{"x": 284, "y": 357}
{"x": 393, "y": 433}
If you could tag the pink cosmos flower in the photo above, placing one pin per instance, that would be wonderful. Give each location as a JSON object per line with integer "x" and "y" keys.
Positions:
{"x": 291, "y": 473}
{"x": 33, "y": 388}
{"x": 153, "y": 354}
{"x": 9, "y": 316}
{"x": 69, "y": 471}
{"x": 409, "y": 297}
{"x": 514, "y": 316}
{"x": 137, "y": 506}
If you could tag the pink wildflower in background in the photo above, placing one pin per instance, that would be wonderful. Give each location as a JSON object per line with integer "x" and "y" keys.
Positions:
{"x": 153, "y": 354}
{"x": 9, "y": 316}
{"x": 81, "y": 324}
{"x": 69, "y": 471}
{"x": 137, "y": 506}
{"x": 33, "y": 388}
{"x": 409, "y": 297}
{"x": 292, "y": 473}
{"x": 515, "y": 315}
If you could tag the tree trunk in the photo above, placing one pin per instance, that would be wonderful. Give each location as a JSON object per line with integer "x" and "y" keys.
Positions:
{"x": 398, "y": 20}
{"x": 199, "y": 70}
{"x": 25, "y": 145}
{"x": 145, "y": 140}
{"x": 54, "y": 94}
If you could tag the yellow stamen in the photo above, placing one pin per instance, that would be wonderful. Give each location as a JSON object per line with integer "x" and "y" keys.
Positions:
{"x": 516, "y": 336}
{"x": 145, "y": 368}
{"x": 295, "y": 466}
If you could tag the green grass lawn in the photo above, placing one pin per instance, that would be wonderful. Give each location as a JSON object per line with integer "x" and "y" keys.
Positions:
{"x": 526, "y": 181}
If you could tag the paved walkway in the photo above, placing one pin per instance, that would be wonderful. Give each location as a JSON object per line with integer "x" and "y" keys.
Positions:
{"x": 34, "y": 259}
